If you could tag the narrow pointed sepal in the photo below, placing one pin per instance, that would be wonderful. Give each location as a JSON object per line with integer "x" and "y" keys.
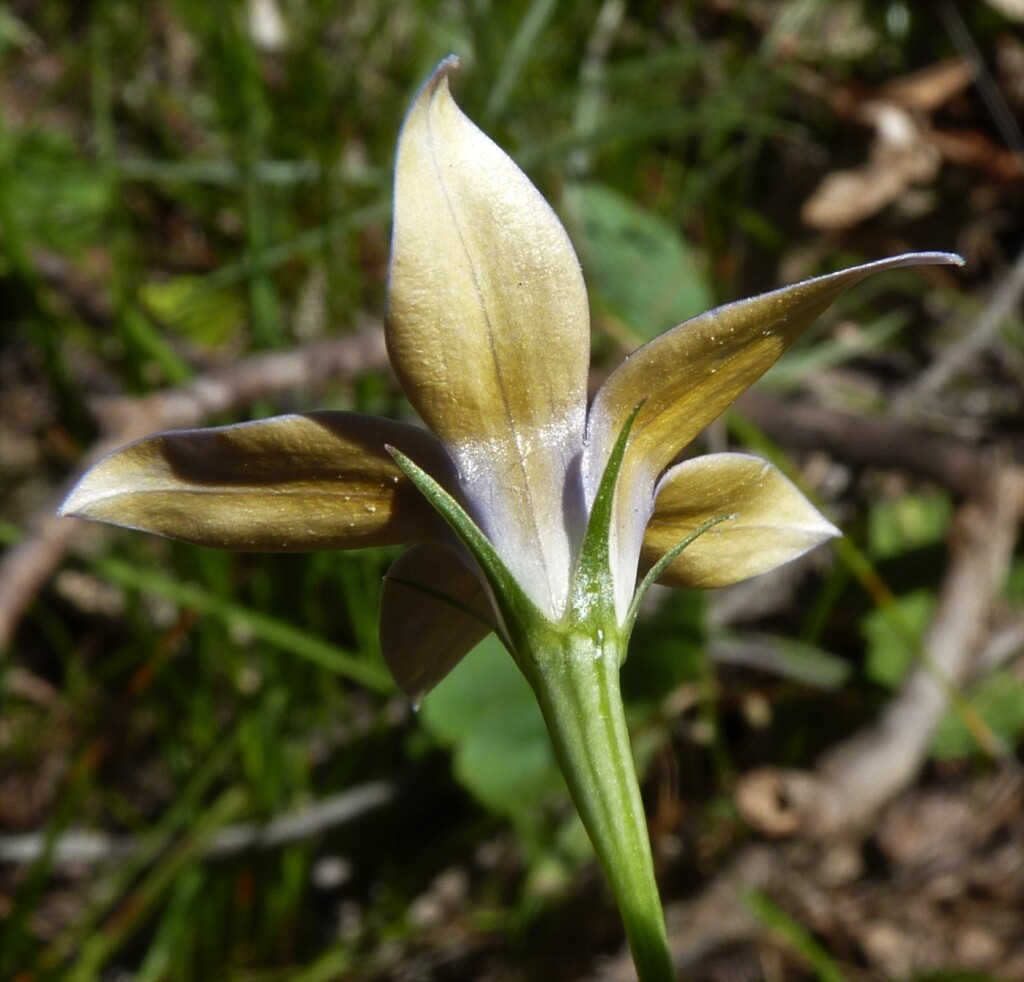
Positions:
{"x": 290, "y": 483}
{"x": 433, "y": 611}
{"x": 770, "y": 521}
{"x": 659, "y": 567}
{"x": 487, "y": 326}
{"x": 595, "y": 584}
{"x": 519, "y": 614}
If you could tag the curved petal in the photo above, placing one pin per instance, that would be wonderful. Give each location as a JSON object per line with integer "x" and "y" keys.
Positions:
{"x": 774, "y": 522}
{"x": 488, "y": 330}
{"x": 424, "y": 636}
{"x": 287, "y": 484}
{"x": 686, "y": 377}
{"x": 689, "y": 375}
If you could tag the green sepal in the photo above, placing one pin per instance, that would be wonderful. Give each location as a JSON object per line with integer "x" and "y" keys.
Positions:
{"x": 520, "y": 613}
{"x": 593, "y": 586}
{"x": 656, "y": 571}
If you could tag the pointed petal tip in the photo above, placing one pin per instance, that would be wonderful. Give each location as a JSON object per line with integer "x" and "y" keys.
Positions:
{"x": 487, "y": 328}
{"x": 902, "y": 261}
{"x": 935, "y": 259}
{"x": 89, "y": 488}
{"x": 829, "y": 531}
{"x": 448, "y": 64}
{"x": 68, "y": 508}
{"x": 439, "y": 76}
{"x": 773, "y": 522}
{"x": 286, "y": 484}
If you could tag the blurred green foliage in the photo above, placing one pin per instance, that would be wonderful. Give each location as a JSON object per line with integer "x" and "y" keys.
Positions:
{"x": 641, "y": 269}
{"x": 486, "y": 712}
{"x": 176, "y": 191}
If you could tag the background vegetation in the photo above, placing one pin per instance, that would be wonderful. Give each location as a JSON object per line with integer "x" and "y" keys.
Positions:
{"x": 184, "y": 184}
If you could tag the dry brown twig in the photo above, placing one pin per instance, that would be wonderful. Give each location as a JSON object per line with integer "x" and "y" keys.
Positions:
{"x": 301, "y": 824}
{"x": 879, "y": 441}
{"x": 26, "y": 568}
{"x": 1004, "y": 303}
{"x": 854, "y": 780}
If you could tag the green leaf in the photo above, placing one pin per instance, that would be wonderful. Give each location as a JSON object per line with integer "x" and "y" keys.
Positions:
{"x": 894, "y": 634}
{"x": 999, "y": 701}
{"x": 909, "y": 522}
{"x": 187, "y": 306}
{"x": 793, "y": 935}
{"x": 265, "y": 627}
{"x": 656, "y": 571}
{"x": 487, "y": 714}
{"x": 641, "y": 267}
{"x": 1015, "y": 583}
{"x": 788, "y": 658}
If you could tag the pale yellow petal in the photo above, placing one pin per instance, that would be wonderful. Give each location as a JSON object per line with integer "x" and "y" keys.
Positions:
{"x": 689, "y": 375}
{"x": 686, "y": 377}
{"x": 773, "y": 524}
{"x": 291, "y": 483}
{"x": 425, "y": 624}
{"x": 488, "y": 330}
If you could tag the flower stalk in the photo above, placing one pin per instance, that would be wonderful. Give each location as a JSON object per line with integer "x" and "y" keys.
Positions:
{"x": 576, "y": 682}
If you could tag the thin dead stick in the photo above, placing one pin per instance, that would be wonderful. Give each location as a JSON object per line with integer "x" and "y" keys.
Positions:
{"x": 991, "y": 94}
{"x": 1003, "y": 304}
{"x": 1005, "y": 644}
{"x": 267, "y": 376}
{"x": 26, "y": 567}
{"x": 294, "y": 826}
{"x": 855, "y": 779}
{"x": 879, "y": 441}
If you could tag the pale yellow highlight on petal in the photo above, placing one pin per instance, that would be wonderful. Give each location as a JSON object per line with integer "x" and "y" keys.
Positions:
{"x": 773, "y": 524}
{"x": 488, "y": 330}
{"x": 423, "y": 637}
{"x": 689, "y": 375}
{"x": 685, "y": 379}
{"x": 291, "y": 483}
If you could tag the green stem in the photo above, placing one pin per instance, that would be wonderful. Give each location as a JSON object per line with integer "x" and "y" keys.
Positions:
{"x": 577, "y": 686}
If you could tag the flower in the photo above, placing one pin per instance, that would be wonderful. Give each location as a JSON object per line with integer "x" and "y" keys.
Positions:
{"x": 487, "y": 327}
{"x": 524, "y": 512}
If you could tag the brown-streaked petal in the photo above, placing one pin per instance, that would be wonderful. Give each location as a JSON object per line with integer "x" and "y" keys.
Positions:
{"x": 773, "y": 522}
{"x": 287, "y": 484}
{"x": 422, "y": 634}
{"x": 488, "y": 330}
{"x": 689, "y": 375}
{"x": 686, "y": 377}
